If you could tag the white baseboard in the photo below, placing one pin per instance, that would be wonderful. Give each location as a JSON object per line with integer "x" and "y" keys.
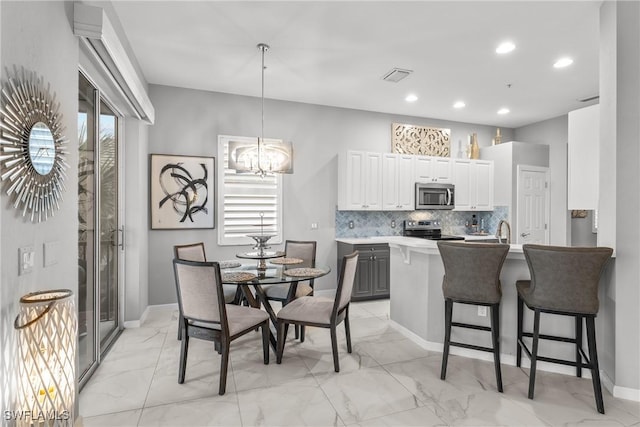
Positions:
{"x": 137, "y": 323}
{"x": 508, "y": 359}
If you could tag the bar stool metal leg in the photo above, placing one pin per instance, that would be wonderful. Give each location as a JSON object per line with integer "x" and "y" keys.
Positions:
{"x": 534, "y": 352}
{"x": 593, "y": 359}
{"x": 448, "y": 313}
{"x": 519, "y": 337}
{"x": 495, "y": 338}
{"x": 578, "y": 346}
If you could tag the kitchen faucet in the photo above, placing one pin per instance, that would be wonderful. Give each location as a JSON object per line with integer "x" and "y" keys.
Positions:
{"x": 499, "y": 231}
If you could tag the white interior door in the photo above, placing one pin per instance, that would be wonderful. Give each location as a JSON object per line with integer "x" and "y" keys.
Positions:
{"x": 533, "y": 205}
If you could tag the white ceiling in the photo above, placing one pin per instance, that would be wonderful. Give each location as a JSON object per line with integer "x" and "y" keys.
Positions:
{"x": 335, "y": 53}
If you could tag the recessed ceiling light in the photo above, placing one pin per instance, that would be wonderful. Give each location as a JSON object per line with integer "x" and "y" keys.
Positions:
{"x": 503, "y": 111}
{"x": 563, "y": 62}
{"x": 411, "y": 98}
{"x": 505, "y": 47}
{"x": 459, "y": 104}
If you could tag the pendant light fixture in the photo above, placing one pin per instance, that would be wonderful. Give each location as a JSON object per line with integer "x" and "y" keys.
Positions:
{"x": 267, "y": 156}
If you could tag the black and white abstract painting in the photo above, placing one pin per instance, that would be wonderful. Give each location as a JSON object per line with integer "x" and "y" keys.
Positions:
{"x": 182, "y": 192}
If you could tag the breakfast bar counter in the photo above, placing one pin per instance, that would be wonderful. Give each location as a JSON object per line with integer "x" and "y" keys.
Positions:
{"x": 417, "y": 304}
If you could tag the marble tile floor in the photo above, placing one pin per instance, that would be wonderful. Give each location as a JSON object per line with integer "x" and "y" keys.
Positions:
{"x": 387, "y": 381}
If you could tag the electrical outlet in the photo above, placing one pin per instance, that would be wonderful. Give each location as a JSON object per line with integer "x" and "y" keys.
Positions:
{"x": 393, "y": 223}
{"x": 482, "y": 311}
{"x": 350, "y": 224}
{"x": 314, "y": 225}
{"x": 26, "y": 260}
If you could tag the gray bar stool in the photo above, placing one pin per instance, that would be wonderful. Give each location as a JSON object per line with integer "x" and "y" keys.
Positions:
{"x": 472, "y": 276}
{"x": 564, "y": 281}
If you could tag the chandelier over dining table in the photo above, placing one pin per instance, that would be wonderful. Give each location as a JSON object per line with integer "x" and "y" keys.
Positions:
{"x": 266, "y": 155}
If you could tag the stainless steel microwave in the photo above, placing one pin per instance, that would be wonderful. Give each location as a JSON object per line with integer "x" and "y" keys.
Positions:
{"x": 434, "y": 196}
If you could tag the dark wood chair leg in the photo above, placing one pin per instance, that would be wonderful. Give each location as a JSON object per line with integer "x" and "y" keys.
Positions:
{"x": 184, "y": 349}
{"x": 334, "y": 348}
{"x": 593, "y": 358}
{"x": 180, "y": 326}
{"x": 578, "y": 346}
{"x": 534, "y": 352}
{"x": 347, "y": 329}
{"x": 519, "y": 332}
{"x": 448, "y": 313}
{"x": 224, "y": 365}
{"x": 495, "y": 338}
{"x": 297, "y": 332}
{"x": 265, "y": 341}
{"x": 302, "y": 328}
{"x": 281, "y": 337}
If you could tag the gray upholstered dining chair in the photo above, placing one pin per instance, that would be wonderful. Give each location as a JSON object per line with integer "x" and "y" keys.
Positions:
{"x": 322, "y": 312}
{"x": 196, "y": 252}
{"x": 564, "y": 281}
{"x": 204, "y": 314}
{"x": 306, "y": 251}
{"x": 472, "y": 276}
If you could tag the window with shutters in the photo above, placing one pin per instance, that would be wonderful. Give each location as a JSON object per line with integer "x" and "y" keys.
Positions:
{"x": 246, "y": 201}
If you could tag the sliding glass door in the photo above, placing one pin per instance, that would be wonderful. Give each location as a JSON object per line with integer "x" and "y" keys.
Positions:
{"x": 99, "y": 232}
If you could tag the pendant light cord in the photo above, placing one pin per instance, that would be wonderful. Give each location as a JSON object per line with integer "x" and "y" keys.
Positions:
{"x": 263, "y": 48}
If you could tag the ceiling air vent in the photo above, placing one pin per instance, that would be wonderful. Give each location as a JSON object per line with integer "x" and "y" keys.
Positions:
{"x": 589, "y": 98}
{"x": 396, "y": 74}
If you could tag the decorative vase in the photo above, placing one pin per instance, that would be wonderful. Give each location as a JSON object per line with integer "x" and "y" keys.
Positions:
{"x": 475, "y": 149}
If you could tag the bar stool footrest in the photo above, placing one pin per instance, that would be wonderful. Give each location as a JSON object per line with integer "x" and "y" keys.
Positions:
{"x": 559, "y": 361}
{"x": 470, "y": 346}
{"x": 470, "y": 326}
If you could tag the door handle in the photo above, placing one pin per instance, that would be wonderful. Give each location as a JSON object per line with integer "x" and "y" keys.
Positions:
{"x": 121, "y": 240}
{"x": 524, "y": 234}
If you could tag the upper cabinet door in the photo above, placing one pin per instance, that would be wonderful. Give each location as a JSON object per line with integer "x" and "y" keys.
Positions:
{"x": 473, "y": 181}
{"x": 483, "y": 183}
{"x": 397, "y": 182}
{"x": 462, "y": 182}
{"x": 360, "y": 183}
{"x": 433, "y": 169}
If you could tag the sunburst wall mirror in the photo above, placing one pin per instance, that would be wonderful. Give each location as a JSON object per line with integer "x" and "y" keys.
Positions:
{"x": 32, "y": 146}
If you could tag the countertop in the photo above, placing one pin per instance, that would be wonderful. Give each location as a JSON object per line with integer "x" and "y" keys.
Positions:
{"x": 410, "y": 242}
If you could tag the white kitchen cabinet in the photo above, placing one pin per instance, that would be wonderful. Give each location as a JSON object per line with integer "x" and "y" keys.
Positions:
{"x": 583, "y": 155}
{"x": 398, "y": 182}
{"x": 474, "y": 185}
{"x": 433, "y": 169}
{"x": 360, "y": 181}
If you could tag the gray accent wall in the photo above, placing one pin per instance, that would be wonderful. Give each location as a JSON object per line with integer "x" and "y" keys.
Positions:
{"x": 189, "y": 122}
{"x": 38, "y": 36}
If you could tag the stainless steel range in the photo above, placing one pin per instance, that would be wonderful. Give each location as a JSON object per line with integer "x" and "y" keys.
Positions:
{"x": 426, "y": 229}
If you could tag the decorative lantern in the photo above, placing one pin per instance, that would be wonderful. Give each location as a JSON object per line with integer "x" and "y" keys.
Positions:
{"x": 47, "y": 332}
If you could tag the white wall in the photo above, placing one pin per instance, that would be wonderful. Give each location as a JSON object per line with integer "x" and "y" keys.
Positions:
{"x": 189, "y": 122}
{"x": 38, "y": 36}
{"x": 620, "y": 187}
{"x": 554, "y": 133}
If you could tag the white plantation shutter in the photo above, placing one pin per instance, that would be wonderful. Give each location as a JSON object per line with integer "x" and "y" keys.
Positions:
{"x": 241, "y": 199}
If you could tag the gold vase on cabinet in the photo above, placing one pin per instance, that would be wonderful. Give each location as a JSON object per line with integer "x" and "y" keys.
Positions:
{"x": 474, "y": 149}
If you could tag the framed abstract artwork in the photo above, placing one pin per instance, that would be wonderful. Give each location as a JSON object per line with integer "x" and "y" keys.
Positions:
{"x": 182, "y": 192}
{"x": 425, "y": 141}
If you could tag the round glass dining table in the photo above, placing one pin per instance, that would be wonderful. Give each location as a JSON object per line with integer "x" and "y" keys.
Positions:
{"x": 249, "y": 274}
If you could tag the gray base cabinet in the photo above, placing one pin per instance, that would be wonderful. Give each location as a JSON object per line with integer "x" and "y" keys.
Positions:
{"x": 372, "y": 275}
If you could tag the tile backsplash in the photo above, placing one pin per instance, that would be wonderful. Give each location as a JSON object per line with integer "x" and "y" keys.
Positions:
{"x": 378, "y": 223}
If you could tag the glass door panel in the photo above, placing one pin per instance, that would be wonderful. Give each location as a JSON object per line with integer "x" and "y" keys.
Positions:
{"x": 98, "y": 228}
{"x": 87, "y": 112}
{"x": 109, "y": 230}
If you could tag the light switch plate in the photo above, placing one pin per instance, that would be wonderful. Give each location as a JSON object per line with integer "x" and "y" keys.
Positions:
{"x": 26, "y": 260}
{"x": 482, "y": 311}
{"x": 50, "y": 250}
